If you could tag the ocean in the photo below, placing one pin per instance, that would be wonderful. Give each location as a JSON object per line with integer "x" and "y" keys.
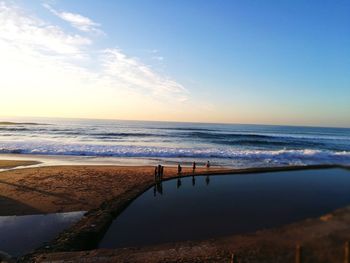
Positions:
{"x": 231, "y": 145}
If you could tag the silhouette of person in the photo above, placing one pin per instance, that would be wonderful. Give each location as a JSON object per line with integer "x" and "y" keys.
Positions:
{"x": 161, "y": 171}
{"x": 179, "y": 169}
{"x": 208, "y": 164}
{"x": 155, "y": 173}
{"x": 194, "y": 166}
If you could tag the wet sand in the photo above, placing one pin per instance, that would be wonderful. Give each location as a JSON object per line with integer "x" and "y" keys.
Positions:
{"x": 7, "y": 164}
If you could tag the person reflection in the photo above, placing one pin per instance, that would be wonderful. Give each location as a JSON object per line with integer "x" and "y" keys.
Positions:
{"x": 154, "y": 191}
{"x": 156, "y": 173}
{"x": 207, "y": 180}
{"x": 193, "y": 181}
{"x": 159, "y": 186}
{"x": 178, "y": 183}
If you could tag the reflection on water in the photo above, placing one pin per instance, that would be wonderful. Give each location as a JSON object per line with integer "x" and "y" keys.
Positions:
{"x": 178, "y": 184}
{"x": 207, "y": 180}
{"x": 21, "y": 234}
{"x": 158, "y": 188}
{"x": 203, "y": 207}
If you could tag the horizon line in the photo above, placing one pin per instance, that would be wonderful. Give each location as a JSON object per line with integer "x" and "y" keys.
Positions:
{"x": 176, "y": 121}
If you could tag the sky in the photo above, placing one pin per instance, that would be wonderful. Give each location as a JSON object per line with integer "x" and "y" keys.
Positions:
{"x": 248, "y": 61}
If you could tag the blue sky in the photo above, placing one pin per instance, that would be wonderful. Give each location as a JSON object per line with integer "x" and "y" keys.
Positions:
{"x": 274, "y": 62}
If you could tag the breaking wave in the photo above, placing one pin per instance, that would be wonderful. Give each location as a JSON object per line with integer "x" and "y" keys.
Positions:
{"x": 252, "y": 144}
{"x": 282, "y": 156}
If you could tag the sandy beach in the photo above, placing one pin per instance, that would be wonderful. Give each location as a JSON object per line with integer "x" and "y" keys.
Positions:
{"x": 70, "y": 188}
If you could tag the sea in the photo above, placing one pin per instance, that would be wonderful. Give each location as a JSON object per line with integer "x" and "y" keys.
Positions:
{"x": 146, "y": 142}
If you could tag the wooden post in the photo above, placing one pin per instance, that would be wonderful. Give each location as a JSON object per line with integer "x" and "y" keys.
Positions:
{"x": 298, "y": 254}
{"x": 347, "y": 252}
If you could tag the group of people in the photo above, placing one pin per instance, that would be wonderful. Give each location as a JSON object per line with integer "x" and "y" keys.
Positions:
{"x": 158, "y": 172}
{"x": 194, "y": 165}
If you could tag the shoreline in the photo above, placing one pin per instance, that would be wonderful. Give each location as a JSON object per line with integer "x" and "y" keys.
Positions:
{"x": 78, "y": 160}
{"x": 9, "y": 164}
{"x": 274, "y": 158}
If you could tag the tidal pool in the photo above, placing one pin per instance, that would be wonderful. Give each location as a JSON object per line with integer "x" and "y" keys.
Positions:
{"x": 21, "y": 234}
{"x": 205, "y": 207}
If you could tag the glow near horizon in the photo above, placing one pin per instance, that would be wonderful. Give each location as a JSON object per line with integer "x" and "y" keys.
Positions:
{"x": 59, "y": 63}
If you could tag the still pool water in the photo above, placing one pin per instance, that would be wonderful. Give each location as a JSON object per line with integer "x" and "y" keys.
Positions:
{"x": 206, "y": 207}
{"x": 21, "y": 234}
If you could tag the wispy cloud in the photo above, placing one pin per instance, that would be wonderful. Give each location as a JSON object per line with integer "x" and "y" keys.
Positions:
{"x": 78, "y": 21}
{"x": 133, "y": 73}
{"x": 42, "y": 59}
{"x": 25, "y": 31}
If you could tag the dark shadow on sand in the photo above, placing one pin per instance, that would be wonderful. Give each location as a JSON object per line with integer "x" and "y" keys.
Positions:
{"x": 57, "y": 195}
{"x": 11, "y": 207}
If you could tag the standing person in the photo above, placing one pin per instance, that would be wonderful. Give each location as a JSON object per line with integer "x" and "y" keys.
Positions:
{"x": 208, "y": 164}
{"x": 179, "y": 169}
{"x": 155, "y": 173}
{"x": 194, "y": 166}
{"x": 161, "y": 171}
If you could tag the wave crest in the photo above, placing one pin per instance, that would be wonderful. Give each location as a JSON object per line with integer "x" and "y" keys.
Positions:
{"x": 281, "y": 156}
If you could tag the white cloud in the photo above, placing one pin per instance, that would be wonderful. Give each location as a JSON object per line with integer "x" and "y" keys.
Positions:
{"x": 133, "y": 73}
{"x": 24, "y": 31}
{"x": 78, "y": 21}
{"x": 43, "y": 66}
